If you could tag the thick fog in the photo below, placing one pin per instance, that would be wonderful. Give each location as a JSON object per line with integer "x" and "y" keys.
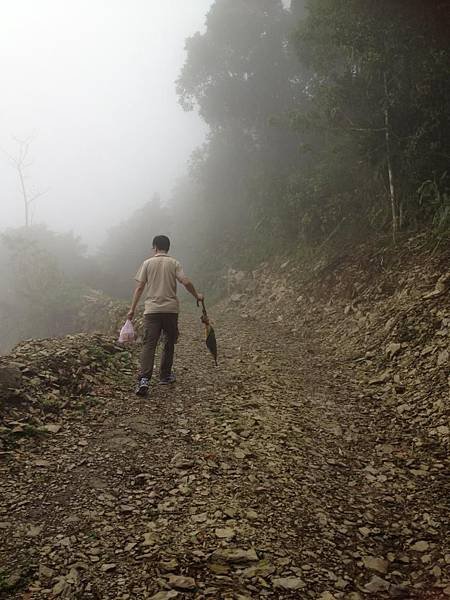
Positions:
{"x": 298, "y": 143}
{"x": 91, "y": 84}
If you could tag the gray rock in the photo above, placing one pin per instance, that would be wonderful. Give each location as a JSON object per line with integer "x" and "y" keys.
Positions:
{"x": 376, "y": 584}
{"x": 288, "y": 583}
{"x": 182, "y": 583}
{"x": 10, "y": 380}
{"x": 235, "y": 555}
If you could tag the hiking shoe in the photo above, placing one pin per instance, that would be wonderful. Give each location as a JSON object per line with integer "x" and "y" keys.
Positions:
{"x": 168, "y": 380}
{"x": 142, "y": 386}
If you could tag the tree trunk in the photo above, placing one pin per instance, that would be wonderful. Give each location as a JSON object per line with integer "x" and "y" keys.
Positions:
{"x": 25, "y": 197}
{"x": 390, "y": 168}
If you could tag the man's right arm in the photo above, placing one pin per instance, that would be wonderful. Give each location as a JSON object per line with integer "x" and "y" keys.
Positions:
{"x": 187, "y": 283}
{"x": 136, "y": 297}
{"x": 141, "y": 278}
{"x": 189, "y": 286}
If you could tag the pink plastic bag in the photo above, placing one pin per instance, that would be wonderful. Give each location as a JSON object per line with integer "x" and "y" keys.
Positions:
{"x": 127, "y": 333}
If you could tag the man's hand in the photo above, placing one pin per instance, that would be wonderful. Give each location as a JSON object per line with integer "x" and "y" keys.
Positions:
{"x": 130, "y": 315}
{"x": 191, "y": 289}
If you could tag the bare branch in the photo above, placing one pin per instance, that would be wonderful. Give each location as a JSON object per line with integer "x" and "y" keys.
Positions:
{"x": 37, "y": 195}
{"x": 21, "y": 163}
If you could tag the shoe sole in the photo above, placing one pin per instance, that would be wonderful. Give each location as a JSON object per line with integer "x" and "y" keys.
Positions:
{"x": 167, "y": 382}
{"x": 143, "y": 391}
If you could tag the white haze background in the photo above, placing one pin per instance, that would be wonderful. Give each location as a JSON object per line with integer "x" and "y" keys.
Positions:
{"x": 93, "y": 82}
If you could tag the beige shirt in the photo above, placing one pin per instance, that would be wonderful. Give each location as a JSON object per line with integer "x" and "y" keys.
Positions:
{"x": 160, "y": 274}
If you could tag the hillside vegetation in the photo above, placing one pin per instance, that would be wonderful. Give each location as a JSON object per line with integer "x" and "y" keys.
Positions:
{"x": 327, "y": 126}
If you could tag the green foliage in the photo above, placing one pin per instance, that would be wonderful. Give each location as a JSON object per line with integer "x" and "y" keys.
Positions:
{"x": 13, "y": 582}
{"x": 11, "y": 439}
{"x": 434, "y": 199}
{"x": 374, "y": 59}
{"x": 325, "y": 121}
{"x": 237, "y": 70}
{"x": 241, "y": 75}
{"x": 41, "y": 288}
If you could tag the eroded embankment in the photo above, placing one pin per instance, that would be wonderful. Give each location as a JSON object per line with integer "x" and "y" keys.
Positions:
{"x": 387, "y": 317}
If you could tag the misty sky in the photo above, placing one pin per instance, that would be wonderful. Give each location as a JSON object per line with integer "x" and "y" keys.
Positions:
{"x": 93, "y": 82}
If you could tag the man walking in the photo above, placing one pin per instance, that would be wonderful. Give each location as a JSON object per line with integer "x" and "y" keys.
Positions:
{"x": 159, "y": 275}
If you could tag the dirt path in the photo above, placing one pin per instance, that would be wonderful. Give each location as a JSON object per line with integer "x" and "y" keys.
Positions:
{"x": 271, "y": 476}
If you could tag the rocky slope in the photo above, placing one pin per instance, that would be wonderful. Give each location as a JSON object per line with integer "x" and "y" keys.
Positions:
{"x": 388, "y": 316}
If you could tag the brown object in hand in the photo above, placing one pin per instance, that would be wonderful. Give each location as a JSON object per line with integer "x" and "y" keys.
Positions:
{"x": 211, "y": 342}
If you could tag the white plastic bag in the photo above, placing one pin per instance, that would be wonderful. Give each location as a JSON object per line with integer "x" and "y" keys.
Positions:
{"x": 127, "y": 333}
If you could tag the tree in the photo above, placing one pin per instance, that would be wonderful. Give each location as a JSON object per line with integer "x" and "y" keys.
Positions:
{"x": 241, "y": 75}
{"x": 379, "y": 72}
{"x": 40, "y": 295}
{"x": 21, "y": 163}
{"x": 327, "y": 124}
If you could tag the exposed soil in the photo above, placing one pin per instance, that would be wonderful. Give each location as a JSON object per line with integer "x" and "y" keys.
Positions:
{"x": 276, "y": 452}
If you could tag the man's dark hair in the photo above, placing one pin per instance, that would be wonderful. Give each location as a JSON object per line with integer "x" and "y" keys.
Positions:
{"x": 161, "y": 242}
